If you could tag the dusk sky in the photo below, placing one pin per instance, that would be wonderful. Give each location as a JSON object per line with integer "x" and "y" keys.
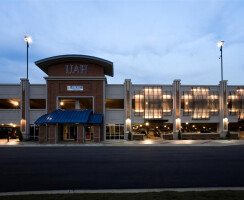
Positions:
{"x": 151, "y": 42}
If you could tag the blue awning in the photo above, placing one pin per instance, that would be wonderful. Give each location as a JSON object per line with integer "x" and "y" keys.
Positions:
{"x": 70, "y": 116}
{"x": 95, "y": 119}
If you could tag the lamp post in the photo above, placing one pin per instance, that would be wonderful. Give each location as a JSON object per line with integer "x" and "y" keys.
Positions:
{"x": 220, "y": 45}
{"x": 27, "y": 40}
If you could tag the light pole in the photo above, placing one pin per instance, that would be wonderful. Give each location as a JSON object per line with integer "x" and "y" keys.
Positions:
{"x": 220, "y": 45}
{"x": 27, "y": 40}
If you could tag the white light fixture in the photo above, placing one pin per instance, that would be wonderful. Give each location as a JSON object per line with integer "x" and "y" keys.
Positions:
{"x": 178, "y": 124}
{"x": 220, "y": 44}
{"x": 28, "y": 39}
{"x": 128, "y": 124}
{"x": 16, "y": 103}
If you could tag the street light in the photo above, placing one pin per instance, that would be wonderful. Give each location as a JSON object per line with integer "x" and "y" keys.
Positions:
{"x": 27, "y": 40}
{"x": 220, "y": 45}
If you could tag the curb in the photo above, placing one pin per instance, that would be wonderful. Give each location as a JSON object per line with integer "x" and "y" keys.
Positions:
{"x": 121, "y": 191}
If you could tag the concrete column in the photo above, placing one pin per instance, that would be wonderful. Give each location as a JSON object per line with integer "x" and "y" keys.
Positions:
{"x": 223, "y": 114}
{"x": 52, "y": 134}
{"x": 24, "y": 122}
{"x": 128, "y": 107}
{"x": 42, "y": 134}
{"x": 176, "y": 108}
{"x": 96, "y": 134}
{"x": 80, "y": 133}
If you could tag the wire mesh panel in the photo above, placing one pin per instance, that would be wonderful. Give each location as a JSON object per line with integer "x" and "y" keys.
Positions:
{"x": 200, "y": 103}
{"x": 153, "y": 103}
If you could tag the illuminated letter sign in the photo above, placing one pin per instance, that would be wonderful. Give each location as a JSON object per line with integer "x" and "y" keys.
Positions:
{"x": 75, "y": 69}
{"x": 75, "y": 88}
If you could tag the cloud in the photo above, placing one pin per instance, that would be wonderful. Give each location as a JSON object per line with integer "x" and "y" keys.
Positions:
{"x": 150, "y": 42}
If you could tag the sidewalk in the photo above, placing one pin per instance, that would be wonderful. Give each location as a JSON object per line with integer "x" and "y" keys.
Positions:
{"x": 146, "y": 142}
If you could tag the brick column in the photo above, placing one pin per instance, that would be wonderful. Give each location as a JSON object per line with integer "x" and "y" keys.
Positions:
{"x": 41, "y": 134}
{"x": 80, "y": 134}
{"x": 96, "y": 136}
{"x": 52, "y": 134}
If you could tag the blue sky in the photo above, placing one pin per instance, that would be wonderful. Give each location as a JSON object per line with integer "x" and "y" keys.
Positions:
{"x": 151, "y": 42}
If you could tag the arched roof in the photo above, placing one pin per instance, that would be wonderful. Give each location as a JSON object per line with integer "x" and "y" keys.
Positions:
{"x": 45, "y": 63}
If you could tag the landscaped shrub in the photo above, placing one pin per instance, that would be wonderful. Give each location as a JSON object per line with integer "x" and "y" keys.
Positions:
{"x": 228, "y": 135}
{"x": 129, "y": 136}
{"x": 20, "y": 135}
{"x": 179, "y": 135}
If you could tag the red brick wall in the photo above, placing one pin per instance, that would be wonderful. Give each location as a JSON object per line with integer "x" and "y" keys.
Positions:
{"x": 90, "y": 88}
{"x": 80, "y": 134}
{"x": 96, "y": 133}
{"x": 41, "y": 134}
{"x": 51, "y": 134}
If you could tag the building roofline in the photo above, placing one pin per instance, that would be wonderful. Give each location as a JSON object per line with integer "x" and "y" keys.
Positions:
{"x": 43, "y": 64}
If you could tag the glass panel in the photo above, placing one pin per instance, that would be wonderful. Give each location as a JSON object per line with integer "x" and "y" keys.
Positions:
{"x": 67, "y": 103}
{"x": 72, "y": 132}
{"x": 34, "y": 132}
{"x": 89, "y": 132}
{"x": 112, "y": 132}
{"x": 108, "y": 133}
{"x": 117, "y": 131}
{"x": 121, "y": 131}
{"x": 65, "y": 132}
{"x": 86, "y": 103}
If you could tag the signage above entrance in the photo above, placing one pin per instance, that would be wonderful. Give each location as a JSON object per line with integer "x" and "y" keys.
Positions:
{"x": 75, "y": 88}
{"x": 72, "y": 69}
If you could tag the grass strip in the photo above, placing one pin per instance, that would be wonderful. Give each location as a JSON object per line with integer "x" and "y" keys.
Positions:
{"x": 168, "y": 195}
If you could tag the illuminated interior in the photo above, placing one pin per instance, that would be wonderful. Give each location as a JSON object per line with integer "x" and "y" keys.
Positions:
{"x": 37, "y": 103}
{"x": 200, "y": 103}
{"x": 152, "y": 130}
{"x": 236, "y": 103}
{"x": 81, "y": 103}
{"x": 152, "y": 103}
{"x": 114, "y": 103}
{"x": 9, "y": 103}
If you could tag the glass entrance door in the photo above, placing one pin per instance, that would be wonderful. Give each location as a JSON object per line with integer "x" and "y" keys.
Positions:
{"x": 69, "y": 132}
{"x": 89, "y": 133}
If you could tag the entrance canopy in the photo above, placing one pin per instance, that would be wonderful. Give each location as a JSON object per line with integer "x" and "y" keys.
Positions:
{"x": 70, "y": 117}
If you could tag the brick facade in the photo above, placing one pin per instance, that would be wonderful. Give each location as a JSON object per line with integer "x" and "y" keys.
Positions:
{"x": 61, "y": 75}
